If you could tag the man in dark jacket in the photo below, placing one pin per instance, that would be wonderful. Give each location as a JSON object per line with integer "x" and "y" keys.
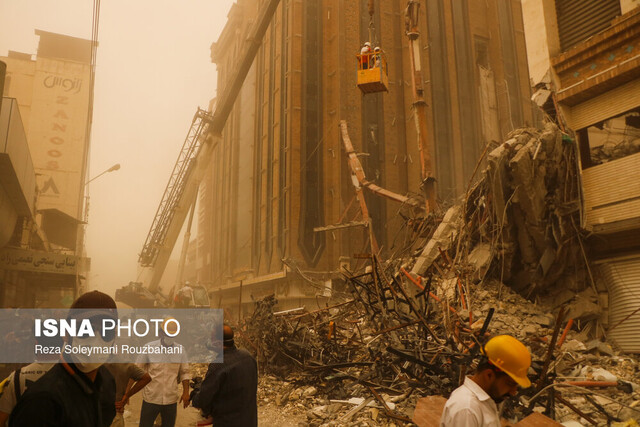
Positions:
{"x": 71, "y": 394}
{"x": 65, "y": 396}
{"x": 228, "y": 391}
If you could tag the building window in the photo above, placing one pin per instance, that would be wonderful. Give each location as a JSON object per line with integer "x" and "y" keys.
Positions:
{"x": 610, "y": 139}
{"x": 580, "y": 19}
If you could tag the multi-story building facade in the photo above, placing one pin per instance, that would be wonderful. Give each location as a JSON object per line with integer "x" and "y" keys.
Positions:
{"x": 281, "y": 171}
{"x": 586, "y": 54}
{"x": 50, "y": 97}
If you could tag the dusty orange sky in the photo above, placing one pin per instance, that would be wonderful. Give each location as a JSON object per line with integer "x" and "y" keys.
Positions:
{"x": 153, "y": 70}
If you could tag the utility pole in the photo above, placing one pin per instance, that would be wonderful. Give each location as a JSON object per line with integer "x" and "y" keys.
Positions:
{"x": 419, "y": 104}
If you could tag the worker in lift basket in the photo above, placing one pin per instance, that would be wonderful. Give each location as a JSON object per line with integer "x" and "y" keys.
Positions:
{"x": 364, "y": 56}
{"x": 376, "y": 55}
{"x": 503, "y": 368}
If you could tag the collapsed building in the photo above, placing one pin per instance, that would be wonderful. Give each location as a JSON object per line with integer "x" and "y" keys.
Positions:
{"x": 412, "y": 325}
{"x": 279, "y": 177}
{"x": 277, "y": 212}
{"x": 549, "y": 213}
{"x": 585, "y": 72}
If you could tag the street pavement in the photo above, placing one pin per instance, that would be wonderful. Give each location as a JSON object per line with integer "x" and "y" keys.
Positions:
{"x": 186, "y": 417}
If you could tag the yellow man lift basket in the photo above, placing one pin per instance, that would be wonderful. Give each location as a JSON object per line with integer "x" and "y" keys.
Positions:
{"x": 372, "y": 72}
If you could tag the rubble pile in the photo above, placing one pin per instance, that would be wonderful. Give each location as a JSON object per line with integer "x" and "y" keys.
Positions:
{"x": 364, "y": 367}
{"x": 507, "y": 259}
{"x": 612, "y": 150}
{"x": 518, "y": 223}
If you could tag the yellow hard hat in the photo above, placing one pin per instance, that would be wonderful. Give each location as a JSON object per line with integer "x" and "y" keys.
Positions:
{"x": 170, "y": 326}
{"x": 510, "y": 356}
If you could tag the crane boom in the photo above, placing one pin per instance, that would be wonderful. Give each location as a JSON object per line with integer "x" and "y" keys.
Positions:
{"x": 193, "y": 160}
{"x": 175, "y": 202}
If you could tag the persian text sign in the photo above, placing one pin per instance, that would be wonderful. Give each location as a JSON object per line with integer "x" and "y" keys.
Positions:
{"x": 111, "y": 336}
{"x": 41, "y": 262}
{"x": 57, "y": 132}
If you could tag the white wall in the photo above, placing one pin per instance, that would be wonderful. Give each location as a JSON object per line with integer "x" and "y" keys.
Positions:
{"x": 536, "y": 39}
{"x": 627, "y": 5}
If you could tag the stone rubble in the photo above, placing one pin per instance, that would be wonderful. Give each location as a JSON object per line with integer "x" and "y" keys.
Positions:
{"x": 507, "y": 257}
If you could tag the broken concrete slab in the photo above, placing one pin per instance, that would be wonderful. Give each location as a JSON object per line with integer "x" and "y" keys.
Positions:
{"x": 541, "y": 96}
{"x": 447, "y": 288}
{"x": 584, "y": 306}
{"x": 479, "y": 260}
{"x": 441, "y": 240}
{"x": 574, "y": 345}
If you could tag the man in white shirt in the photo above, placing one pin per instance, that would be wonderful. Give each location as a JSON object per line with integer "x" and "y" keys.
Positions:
{"x": 161, "y": 395}
{"x": 504, "y": 367}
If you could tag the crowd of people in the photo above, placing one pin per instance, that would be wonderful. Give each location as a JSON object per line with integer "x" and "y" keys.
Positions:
{"x": 74, "y": 392}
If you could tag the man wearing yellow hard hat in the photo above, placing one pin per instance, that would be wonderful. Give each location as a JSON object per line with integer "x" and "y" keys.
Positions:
{"x": 503, "y": 368}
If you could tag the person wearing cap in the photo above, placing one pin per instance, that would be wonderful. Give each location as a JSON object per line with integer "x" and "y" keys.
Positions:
{"x": 376, "y": 56}
{"x": 184, "y": 296}
{"x": 161, "y": 395}
{"x": 228, "y": 393}
{"x": 503, "y": 368}
{"x": 364, "y": 55}
{"x": 76, "y": 392}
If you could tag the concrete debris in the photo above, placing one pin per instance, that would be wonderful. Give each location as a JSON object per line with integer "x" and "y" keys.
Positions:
{"x": 479, "y": 260}
{"x": 517, "y": 224}
{"x": 310, "y": 391}
{"x": 505, "y": 260}
{"x": 440, "y": 241}
{"x": 597, "y": 374}
{"x": 574, "y": 345}
{"x": 541, "y": 97}
{"x": 584, "y": 306}
{"x": 317, "y": 361}
{"x": 600, "y": 346}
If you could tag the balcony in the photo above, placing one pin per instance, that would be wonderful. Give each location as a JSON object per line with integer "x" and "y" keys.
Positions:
{"x": 605, "y": 61}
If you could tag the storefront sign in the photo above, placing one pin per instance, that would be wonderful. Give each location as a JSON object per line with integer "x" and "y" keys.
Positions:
{"x": 41, "y": 262}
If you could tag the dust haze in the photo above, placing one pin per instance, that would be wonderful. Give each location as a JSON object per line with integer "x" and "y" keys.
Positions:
{"x": 153, "y": 70}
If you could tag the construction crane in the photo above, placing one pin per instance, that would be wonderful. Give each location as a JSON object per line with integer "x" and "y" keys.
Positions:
{"x": 181, "y": 190}
{"x": 372, "y": 78}
{"x": 419, "y": 105}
